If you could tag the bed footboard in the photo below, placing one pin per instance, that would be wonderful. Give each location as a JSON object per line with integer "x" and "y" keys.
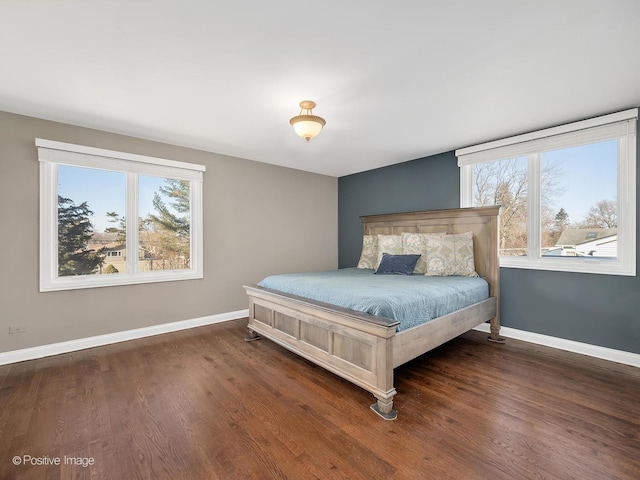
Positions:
{"x": 357, "y": 347}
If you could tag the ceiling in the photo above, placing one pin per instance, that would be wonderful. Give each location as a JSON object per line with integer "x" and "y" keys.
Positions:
{"x": 395, "y": 81}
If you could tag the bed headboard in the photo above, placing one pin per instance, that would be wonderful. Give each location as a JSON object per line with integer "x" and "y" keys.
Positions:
{"x": 482, "y": 221}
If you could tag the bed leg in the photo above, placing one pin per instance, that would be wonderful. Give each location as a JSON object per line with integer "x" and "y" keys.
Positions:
{"x": 252, "y": 336}
{"x": 384, "y": 408}
{"x": 495, "y": 331}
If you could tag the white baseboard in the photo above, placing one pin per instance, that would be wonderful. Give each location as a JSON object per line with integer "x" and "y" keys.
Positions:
{"x": 610, "y": 354}
{"x": 97, "y": 341}
{"x": 14, "y": 356}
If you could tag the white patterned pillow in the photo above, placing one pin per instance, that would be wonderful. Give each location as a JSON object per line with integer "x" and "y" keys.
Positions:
{"x": 391, "y": 244}
{"x": 413, "y": 243}
{"x": 451, "y": 255}
{"x": 369, "y": 255}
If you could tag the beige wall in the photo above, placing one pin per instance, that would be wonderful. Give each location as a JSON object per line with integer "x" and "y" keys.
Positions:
{"x": 259, "y": 219}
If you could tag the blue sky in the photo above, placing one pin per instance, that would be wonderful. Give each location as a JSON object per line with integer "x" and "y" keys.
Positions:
{"x": 589, "y": 173}
{"x": 104, "y": 191}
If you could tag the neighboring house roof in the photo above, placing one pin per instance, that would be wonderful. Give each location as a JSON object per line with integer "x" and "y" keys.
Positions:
{"x": 102, "y": 237}
{"x": 577, "y": 236}
{"x": 109, "y": 241}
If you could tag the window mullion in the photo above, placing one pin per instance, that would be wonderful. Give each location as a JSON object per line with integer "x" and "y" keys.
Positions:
{"x": 196, "y": 234}
{"x": 132, "y": 223}
{"x": 533, "y": 206}
{"x": 466, "y": 186}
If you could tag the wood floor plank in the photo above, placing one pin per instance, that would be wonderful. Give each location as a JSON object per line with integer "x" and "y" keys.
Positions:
{"x": 204, "y": 404}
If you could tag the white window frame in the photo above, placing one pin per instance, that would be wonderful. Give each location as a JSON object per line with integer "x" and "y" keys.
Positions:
{"x": 620, "y": 126}
{"x": 52, "y": 153}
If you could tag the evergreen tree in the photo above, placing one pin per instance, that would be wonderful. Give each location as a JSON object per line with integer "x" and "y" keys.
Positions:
{"x": 121, "y": 229}
{"x": 74, "y": 232}
{"x": 561, "y": 220}
{"x": 178, "y": 191}
{"x": 166, "y": 234}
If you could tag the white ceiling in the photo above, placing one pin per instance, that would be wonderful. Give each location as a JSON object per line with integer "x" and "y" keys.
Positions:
{"x": 394, "y": 80}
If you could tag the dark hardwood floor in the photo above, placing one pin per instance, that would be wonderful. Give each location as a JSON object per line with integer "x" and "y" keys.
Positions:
{"x": 204, "y": 404}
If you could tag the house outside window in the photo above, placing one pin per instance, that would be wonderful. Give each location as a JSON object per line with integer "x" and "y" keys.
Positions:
{"x": 112, "y": 218}
{"x": 568, "y": 194}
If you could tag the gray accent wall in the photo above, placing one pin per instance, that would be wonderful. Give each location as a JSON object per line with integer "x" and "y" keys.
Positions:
{"x": 426, "y": 184}
{"x": 259, "y": 219}
{"x": 600, "y": 310}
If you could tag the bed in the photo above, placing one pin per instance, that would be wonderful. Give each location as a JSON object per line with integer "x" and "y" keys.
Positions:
{"x": 364, "y": 348}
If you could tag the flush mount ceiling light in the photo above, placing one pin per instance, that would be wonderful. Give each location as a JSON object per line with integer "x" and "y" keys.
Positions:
{"x": 307, "y": 125}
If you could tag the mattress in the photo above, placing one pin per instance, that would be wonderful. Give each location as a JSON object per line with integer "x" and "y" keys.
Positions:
{"x": 409, "y": 299}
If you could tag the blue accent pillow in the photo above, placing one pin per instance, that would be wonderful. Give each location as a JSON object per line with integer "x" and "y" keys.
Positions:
{"x": 397, "y": 264}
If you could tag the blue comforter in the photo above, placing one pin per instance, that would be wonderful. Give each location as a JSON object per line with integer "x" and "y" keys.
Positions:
{"x": 410, "y": 299}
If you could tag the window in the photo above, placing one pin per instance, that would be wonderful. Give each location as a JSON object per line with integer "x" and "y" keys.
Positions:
{"x": 568, "y": 195}
{"x": 112, "y": 218}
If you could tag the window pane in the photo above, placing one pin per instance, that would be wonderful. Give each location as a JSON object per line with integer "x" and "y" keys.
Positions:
{"x": 505, "y": 183}
{"x": 579, "y": 189}
{"x": 91, "y": 204}
{"x": 165, "y": 224}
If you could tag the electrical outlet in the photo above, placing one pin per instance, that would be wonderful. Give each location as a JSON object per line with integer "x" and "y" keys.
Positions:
{"x": 18, "y": 329}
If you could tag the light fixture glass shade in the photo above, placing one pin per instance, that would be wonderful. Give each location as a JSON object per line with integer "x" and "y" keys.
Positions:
{"x": 307, "y": 125}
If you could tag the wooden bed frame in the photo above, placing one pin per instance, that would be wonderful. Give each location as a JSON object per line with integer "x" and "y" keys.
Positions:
{"x": 365, "y": 349}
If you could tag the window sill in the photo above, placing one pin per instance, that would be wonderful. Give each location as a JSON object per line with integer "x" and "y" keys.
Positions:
{"x": 598, "y": 266}
{"x": 116, "y": 279}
